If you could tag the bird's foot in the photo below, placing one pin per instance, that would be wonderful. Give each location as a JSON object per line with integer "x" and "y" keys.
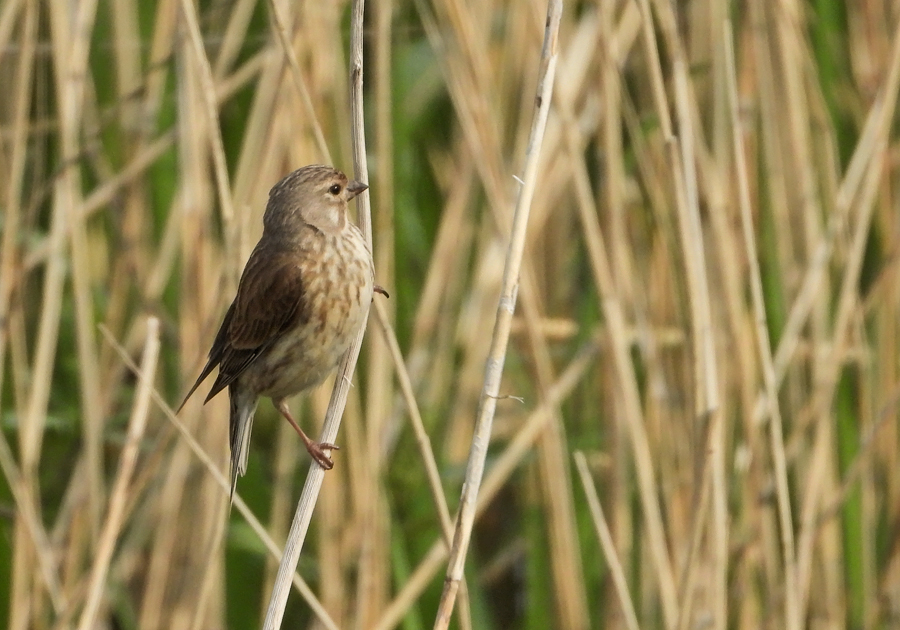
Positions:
{"x": 315, "y": 449}
{"x": 382, "y": 291}
{"x": 317, "y": 452}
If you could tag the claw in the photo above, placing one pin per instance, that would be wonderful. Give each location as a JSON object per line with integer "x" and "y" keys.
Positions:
{"x": 315, "y": 449}
{"x": 317, "y": 452}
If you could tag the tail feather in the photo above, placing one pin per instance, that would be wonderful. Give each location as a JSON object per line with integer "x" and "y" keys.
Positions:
{"x": 243, "y": 406}
{"x": 210, "y": 366}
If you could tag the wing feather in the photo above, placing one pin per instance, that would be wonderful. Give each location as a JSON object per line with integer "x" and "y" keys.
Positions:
{"x": 269, "y": 301}
{"x": 214, "y": 356}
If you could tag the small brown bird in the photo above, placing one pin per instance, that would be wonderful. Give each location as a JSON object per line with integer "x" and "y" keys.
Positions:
{"x": 302, "y": 298}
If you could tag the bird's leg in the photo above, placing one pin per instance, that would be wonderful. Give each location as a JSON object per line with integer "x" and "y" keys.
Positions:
{"x": 382, "y": 291}
{"x": 315, "y": 449}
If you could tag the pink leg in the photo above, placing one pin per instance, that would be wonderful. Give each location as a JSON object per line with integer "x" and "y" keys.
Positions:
{"x": 315, "y": 449}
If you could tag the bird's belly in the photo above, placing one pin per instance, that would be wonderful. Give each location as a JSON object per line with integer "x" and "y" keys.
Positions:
{"x": 304, "y": 356}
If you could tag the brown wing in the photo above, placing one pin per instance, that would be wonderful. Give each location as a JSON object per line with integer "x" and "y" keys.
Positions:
{"x": 270, "y": 300}
{"x": 215, "y": 354}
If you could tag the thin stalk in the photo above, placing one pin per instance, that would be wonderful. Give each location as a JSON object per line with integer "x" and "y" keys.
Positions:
{"x": 306, "y": 505}
{"x": 220, "y": 478}
{"x": 119, "y": 495}
{"x": 497, "y": 355}
{"x": 606, "y": 542}
{"x": 498, "y": 475}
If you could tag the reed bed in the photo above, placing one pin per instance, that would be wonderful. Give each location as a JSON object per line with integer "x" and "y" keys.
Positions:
{"x": 697, "y": 422}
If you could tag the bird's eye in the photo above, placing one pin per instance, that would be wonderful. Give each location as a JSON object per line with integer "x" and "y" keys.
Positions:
{"x": 335, "y": 189}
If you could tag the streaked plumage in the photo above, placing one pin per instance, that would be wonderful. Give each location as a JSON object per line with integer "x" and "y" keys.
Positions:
{"x": 302, "y": 298}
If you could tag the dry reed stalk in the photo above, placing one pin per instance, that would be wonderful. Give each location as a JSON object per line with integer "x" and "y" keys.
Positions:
{"x": 210, "y": 112}
{"x": 498, "y": 475}
{"x": 614, "y": 175}
{"x": 760, "y": 319}
{"x": 422, "y": 440}
{"x": 500, "y": 338}
{"x": 141, "y": 160}
{"x": 615, "y": 321}
{"x": 383, "y": 221}
{"x": 466, "y": 67}
{"x": 219, "y": 477}
{"x": 306, "y": 504}
{"x": 178, "y": 532}
{"x": 374, "y": 574}
{"x": 112, "y": 526}
{"x": 32, "y": 526}
{"x": 287, "y": 456}
{"x": 13, "y": 185}
{"x": 234, "y": 37}
{"x": 731, "y": 265}
{"x": 846, "y": 305}
{"x": 10, "y": 268}
{"x": 72, "y": 44}
{"x": 549, "y": 228}
{"x": 281, "y": 29}
{"x": 606, "y": 542}
{"x": 706, "y": 397}
{"x": 91, "y": 407}
{"x": 552, "y": 452}
{"x": 33, "y": 422}
{"x": 8, "y": 15}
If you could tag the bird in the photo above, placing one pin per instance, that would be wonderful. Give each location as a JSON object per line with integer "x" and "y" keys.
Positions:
{"x": 302, "y": 298}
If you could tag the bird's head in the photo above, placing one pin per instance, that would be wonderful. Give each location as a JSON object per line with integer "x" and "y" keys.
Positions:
{"x": 316, "y": 195}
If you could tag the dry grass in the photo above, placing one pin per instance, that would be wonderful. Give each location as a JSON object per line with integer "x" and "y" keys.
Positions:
{"x": 708, "y": 310}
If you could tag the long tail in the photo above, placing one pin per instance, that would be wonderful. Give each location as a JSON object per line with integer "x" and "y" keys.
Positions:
{"x": 243, "y": 406}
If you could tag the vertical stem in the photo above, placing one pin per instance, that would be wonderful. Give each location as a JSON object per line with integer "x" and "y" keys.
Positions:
{"x": 791, "y": 619}
{"x": 307, "y": 503}
{"x": 497, "y": 355}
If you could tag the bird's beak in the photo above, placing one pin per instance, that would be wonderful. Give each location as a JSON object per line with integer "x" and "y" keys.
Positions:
{"x": 354, "y": 188}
